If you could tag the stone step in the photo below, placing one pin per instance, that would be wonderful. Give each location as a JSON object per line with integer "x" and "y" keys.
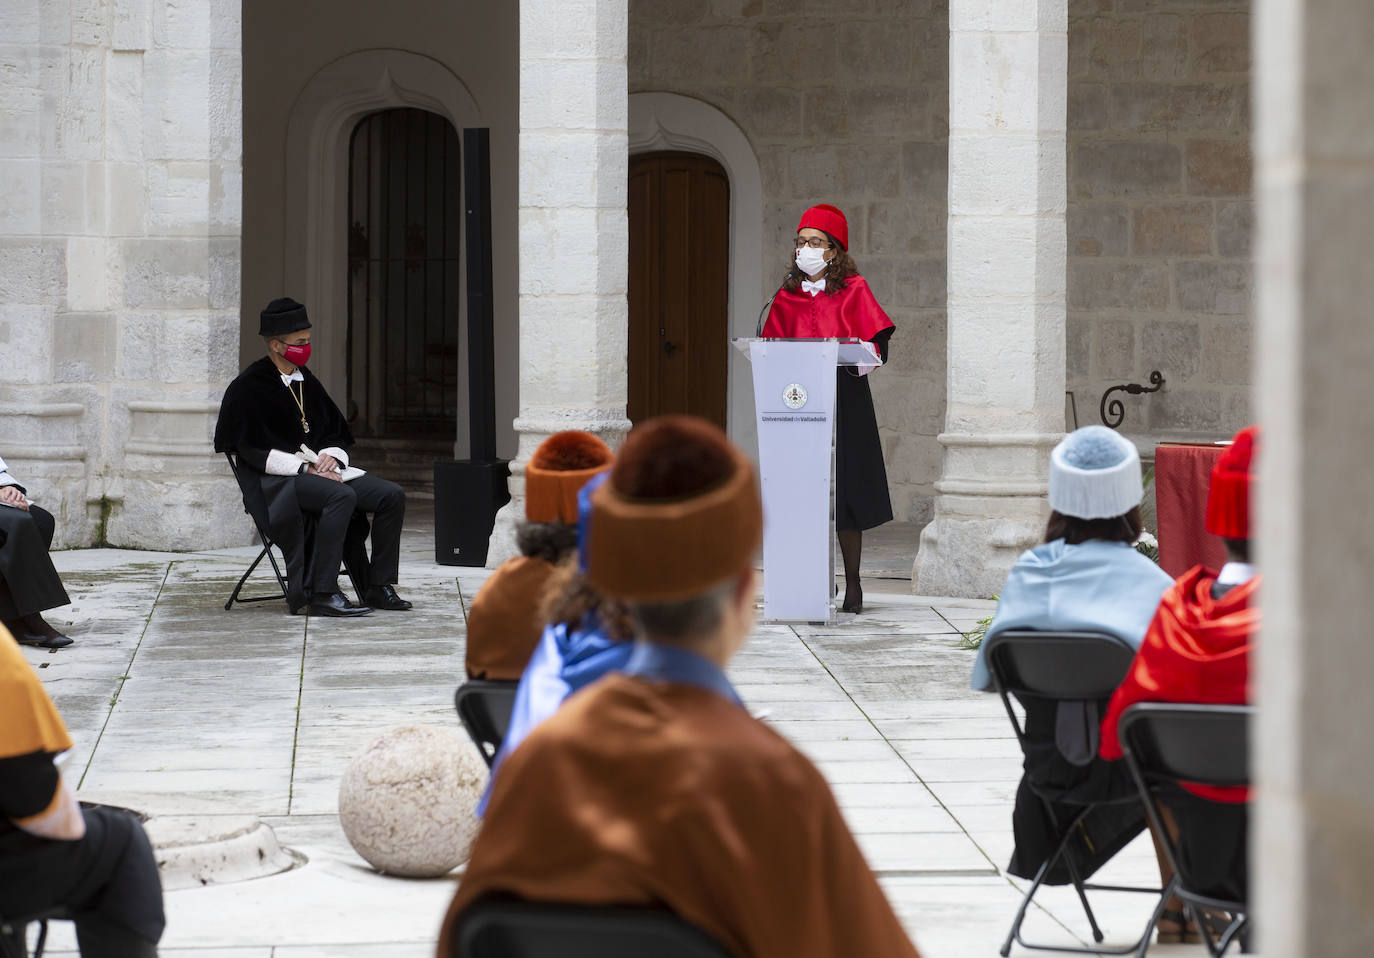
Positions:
{"x": 409, "y": 462}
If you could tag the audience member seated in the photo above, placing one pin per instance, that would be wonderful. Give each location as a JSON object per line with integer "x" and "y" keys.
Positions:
{"x": 507, "y": 615}
{"x": 655, "y": 787}
{"x": 587, "y": 636}
{"x": 273, "y": 418}
{"x": 96, "y": 862}
{"x": 29, "y": 585}
{"x": 1198, "y": 650}
{"x": 1086, "y": 576}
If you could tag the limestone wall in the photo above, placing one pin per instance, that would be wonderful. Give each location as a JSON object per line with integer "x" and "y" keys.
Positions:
{"x": 1159, "y": 218}
{"x": 845, "y": 104}
{"x": 312, "y": 70}
{"x": 119, "y": 172}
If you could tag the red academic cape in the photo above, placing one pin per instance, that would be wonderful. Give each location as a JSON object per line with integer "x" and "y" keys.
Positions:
{"x": 851, "y": 312}
{"x": 506, "y": 619}
{"x": 663, "y": 794}
{"x": 1197, "y": 650}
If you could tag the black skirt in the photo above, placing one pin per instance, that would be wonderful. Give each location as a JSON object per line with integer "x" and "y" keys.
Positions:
{"x": 28, "y": 581}
{"x": 861, "y": 497}
{"x": 1067, "y": 789}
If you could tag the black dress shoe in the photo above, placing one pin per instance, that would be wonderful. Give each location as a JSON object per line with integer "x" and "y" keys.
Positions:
{"x": 337, "y": 605}
{"x": 58, "y": 641}
{"x": 385, "y": 597}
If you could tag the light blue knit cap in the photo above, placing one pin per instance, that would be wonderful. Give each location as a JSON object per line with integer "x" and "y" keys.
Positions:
{"x": 1094, "y": 474}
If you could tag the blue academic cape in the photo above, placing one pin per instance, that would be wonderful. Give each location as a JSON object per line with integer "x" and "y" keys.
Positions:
{"x": 564, "y": 661}
{"x": 1095, "y": 585}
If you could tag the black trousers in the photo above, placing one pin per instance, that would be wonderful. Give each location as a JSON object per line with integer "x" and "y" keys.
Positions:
{"x": 108, "y": 880}
{"x": 28, "y": 581}
{"x": 338, "y": 534}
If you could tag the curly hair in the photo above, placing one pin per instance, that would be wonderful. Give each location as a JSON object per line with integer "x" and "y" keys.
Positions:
{"x": 569, "y": 599}
{"x": 550, "y": 541}
{"x": 837, "y": 271}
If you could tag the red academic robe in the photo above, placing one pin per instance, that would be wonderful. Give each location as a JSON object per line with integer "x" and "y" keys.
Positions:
{"x": 851, "y": 312}
{"x": 506, "y": 619}
{"x": 1197, "y": 650}
{"x": 666, "y": 794}
{"x": 861, "y": 496}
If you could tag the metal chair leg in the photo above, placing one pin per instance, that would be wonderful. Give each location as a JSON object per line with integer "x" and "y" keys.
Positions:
{"x": 1015, "y": 933}
{"x": 243, "y": 580}
{"x": 1082, "y": 895}
{"x": 233, "y": 596}
{"x": 1154, "y": 918}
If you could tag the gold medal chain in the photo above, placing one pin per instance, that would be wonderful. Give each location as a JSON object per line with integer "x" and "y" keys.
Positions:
{"x": 300, "y": 403}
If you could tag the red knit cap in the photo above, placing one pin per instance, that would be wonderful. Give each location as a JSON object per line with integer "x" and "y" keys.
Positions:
{"x": 828, "y": 219}
{"x": 1228, "y": 499}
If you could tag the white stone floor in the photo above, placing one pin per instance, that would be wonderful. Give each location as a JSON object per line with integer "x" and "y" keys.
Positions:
{"x": 178, "y": 707}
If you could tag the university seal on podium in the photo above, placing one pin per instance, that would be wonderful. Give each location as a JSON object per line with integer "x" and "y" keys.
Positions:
{"x": 794, "y": 395}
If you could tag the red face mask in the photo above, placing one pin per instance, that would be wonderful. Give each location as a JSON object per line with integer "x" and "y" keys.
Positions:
{"x": 297, "y": 355}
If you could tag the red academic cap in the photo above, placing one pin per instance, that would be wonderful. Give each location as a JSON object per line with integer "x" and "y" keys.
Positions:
{"x": 828, "y": 219}
{"x": 1228, "y": 499}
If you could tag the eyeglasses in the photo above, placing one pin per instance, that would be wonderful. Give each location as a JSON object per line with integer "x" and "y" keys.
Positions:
{"x": 815, "y": 242}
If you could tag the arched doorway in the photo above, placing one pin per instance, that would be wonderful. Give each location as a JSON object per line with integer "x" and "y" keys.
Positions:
{"x": 679, "y": 210}
{"x": 405, "y": 218}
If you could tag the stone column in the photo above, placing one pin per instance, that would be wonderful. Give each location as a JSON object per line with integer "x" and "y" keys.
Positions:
{"x": 574, "y": 230}
{"x": 1314, "y": 139}
{"x": 119, "y": 168}
{"x": 1006, "y": 301}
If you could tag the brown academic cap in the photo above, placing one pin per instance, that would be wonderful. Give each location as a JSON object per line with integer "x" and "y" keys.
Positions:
{"x": 282, "y": 317}
{"x": 559, "y": 468}
{"x": 679, "y": 514}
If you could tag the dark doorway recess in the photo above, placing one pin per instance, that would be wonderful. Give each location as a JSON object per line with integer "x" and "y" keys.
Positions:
{"x": 405, "y": 214}
{"x": 678, "y": 285}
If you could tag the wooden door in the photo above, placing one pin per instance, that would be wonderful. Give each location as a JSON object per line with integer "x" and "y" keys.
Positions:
{"x": 678, "y": 286}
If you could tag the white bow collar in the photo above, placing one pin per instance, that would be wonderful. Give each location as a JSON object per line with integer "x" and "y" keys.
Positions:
{"x": 813, "y": 288}
{"x": 296, "y": 377}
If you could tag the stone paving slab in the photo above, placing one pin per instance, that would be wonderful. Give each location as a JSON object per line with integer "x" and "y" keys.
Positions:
{"x": 180, "y": 707}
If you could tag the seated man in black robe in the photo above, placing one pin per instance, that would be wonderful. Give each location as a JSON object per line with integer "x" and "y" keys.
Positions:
{"x": 274, "y": 408}
{"x": 29, "y": 585}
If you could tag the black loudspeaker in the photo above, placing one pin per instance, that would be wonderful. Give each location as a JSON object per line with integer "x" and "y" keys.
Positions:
{"x": 467, "y": 494}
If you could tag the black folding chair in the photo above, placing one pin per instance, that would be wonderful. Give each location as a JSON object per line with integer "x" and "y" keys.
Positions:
{"x": 1166, "y": 743}
{"x": 484, "y": 708}
{"x": 1044, "y": 669}
{"x": 260, "y": 523}
{"x": 14, "y": 932}
{"x": 517, "y": 929}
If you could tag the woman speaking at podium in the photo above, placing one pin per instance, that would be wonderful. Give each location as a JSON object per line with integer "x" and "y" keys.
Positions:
{"x": 823, "y": 297}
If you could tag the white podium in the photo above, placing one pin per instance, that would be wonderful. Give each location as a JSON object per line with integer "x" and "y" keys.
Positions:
{"x": 794, "y": 402}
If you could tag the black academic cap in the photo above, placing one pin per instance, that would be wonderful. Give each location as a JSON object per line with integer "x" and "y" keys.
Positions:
{"x": 283, "y": 317}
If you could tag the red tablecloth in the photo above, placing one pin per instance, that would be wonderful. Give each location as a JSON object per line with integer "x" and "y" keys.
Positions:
{"x": 1182, "y": 475}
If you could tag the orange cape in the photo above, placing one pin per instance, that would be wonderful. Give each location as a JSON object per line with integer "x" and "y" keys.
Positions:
{"x": 28, "y": 720}
{"x": 650, "y": 793}
{"x": 506, "y": 619}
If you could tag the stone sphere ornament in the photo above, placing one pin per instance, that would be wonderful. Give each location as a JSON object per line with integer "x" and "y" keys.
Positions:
{"x": 408, "y": 801}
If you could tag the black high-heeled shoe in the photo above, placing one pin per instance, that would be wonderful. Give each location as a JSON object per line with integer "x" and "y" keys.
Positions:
{"x": 853, "y": 605}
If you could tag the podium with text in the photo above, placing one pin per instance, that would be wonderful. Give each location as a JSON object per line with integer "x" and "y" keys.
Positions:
{"x": 794, "y": 402}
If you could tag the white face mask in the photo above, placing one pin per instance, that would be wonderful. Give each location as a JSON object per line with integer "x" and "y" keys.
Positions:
{"x": 810, "y": 261}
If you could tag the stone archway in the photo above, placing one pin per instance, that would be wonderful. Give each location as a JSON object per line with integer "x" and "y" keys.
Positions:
{"x": 668, "y": 121}
{"x": 321, "y": 122}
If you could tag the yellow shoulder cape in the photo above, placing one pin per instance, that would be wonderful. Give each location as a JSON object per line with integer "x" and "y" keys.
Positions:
{"x": 28, "y": 720}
